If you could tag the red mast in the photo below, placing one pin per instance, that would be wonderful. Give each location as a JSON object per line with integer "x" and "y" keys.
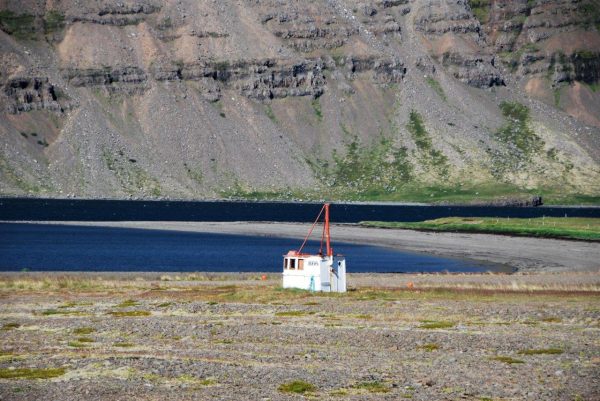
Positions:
{"x": 325, "y": 236}
{"x": 326, "y": 231}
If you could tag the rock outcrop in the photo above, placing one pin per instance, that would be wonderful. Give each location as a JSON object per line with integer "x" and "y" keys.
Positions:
{"x": 220, "y": 99}
{"x": 23, "y": 94}
{"x": 458, "y": 42}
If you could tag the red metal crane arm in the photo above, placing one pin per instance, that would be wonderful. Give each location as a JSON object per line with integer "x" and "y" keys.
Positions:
{"x": 312, "y": 228}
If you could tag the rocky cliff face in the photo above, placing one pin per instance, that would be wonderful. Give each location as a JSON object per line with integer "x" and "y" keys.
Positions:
{"x": 367, "y": 99}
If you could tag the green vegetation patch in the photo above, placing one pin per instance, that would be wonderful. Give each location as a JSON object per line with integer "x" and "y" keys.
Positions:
{"x": 429, "y": 347}
{"x": 84, "y": 330}
{"x": 481, "y": 9}
{"x": 506, "y": 359}
{"x": 316, "y": 105}
{"x": 85, "y": 340}
{"x": 518, "y": 141}
{"x": 77, "y": 344}
{"x": 10, "y": 326}
{"x": 53, "y": 21}
{"x": 298, "y": 387}
{"x": 18, "y": 177}
{"x": 21, "y": 26}
{"x": 365, "y": 171}
{"x": 435, "y": 85}
{"x": 397, "y": 182}
{"x": 132, "y": 178}
{"x": 269, "y": 112}
{"x": 430, "y": 156}
{"x": 131, "y": 313}
{"x": 196, "y": 381}
{"x": 585, "y": 55}
{"x": 31, "y": 373}
{"x": 68, "y": 305}
{"x": 128, "y": 303}
{"x": 589, "y": 13}
{"x": 295, "y": 313}
{"x": 542, "y": 351}
{"x": 50, "y": 312}
{"x": 517, "y": 131}
{"x": 195, "y": 173}
{"x": 372, "y": 386}
{"x": 582, "y": 228}
{"x": 432, "y": 324}
{"x": 123, "y": 345}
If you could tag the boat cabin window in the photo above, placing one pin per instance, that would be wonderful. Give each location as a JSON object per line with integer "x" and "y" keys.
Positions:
{"x": 293, "y": 264}
{"x": 289, "y": 263}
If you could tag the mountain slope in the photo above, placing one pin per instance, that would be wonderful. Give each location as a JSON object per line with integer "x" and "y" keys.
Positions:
{"x": 388, "y": 99}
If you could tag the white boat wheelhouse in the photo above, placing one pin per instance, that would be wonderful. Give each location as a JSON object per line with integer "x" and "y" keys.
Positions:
{"x": 320, "y": 272}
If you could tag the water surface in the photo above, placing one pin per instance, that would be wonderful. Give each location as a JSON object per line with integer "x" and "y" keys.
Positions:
{"x": 49, "y": 247}
{"x": 131, "y": 210}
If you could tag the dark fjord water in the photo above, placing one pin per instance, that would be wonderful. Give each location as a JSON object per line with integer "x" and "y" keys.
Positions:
{"x": 113, "y": 210}
{"x": 51, "y": 247}
{"x": 45, "y": 247}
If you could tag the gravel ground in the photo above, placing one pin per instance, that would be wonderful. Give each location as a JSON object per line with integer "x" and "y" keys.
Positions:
{"x": 236, "y": 337}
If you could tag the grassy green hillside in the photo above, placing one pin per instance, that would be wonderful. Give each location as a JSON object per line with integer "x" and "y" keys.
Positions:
{"x": 547, "y": 227}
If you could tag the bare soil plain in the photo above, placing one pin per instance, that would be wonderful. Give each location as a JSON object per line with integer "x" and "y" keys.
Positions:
{"x": 241, "y": 337}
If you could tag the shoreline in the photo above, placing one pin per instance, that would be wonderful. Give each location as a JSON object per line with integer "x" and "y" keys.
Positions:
{"x": 311, "y": 201}
{"x": 523, "y": 254}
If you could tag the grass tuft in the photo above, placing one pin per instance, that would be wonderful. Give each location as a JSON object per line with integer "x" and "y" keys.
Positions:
{"x": 506, "y": 359}
{"x": 10, "y": 326}
{"x": 372, "y": 387}
{"x": 298, "y": 387}
{"x": 436, "y": 325}
{"x": 132, "y": 313}
{"x": 551, "y": 320}
{"x": 123, "y": 345}
{"x": 195, "y": 381}
{"x": 31, "y": 373}
{"x": 295, "y": 313}
{"x": 76, "y": 344}
{"x": 128, "y": 303}
{"x": 429, "y": 347}
{"x": 50, "y": 312}
{"x": 84, "y": 330}
{"x": 542, "y": 351}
